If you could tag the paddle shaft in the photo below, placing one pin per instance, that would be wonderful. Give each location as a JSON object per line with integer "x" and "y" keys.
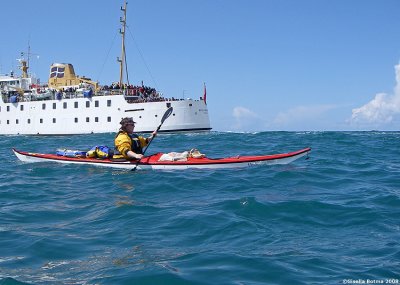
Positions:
{"x": 144, "y": 151}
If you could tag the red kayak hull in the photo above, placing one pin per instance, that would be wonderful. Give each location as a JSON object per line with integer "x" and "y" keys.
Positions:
{"x": 153, "y": 162}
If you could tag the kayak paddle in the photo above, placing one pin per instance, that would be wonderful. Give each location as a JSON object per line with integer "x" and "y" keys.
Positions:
{"x": 166, "y": 115}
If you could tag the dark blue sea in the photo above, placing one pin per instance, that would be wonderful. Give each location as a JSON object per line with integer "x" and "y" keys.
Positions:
{"x": 331, "y": 219}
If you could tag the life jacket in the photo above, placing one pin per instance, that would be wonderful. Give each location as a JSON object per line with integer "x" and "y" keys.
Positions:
{"x": 136, "y": 147}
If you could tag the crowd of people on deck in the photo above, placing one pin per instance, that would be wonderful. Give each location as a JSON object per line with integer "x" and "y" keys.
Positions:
{"x": 136, "y": 94}
{"x": 69, "y": 89}
{"x": 134, "y": 90}
{"x": 133, "y": 93}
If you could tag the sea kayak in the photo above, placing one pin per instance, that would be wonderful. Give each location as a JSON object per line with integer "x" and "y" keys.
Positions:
{"x": 153, "y": 162}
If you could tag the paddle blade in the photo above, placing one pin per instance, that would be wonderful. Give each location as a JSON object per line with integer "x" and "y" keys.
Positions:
{"x": 167, "y": 114}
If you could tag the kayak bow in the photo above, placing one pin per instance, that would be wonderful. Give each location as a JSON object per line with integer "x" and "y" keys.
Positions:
{"x": 153, "y": 161}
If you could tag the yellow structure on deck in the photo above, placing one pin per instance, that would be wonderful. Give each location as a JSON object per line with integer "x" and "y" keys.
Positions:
{"x": 63, "y": 75}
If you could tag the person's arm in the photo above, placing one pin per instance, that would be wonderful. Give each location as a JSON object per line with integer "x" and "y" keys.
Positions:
{"x": 145, "y": 141}
{"x": 123, "y": 145}
{"x": 151, "y": 137}
{"x": 133, "y": 155}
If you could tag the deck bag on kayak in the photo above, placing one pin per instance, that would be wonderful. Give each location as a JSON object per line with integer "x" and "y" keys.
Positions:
{"x": 70, "y": 153}
{"x": 195, "y": 153}
{"x": 174, "y": 156}
{"x": 100, "y": 151}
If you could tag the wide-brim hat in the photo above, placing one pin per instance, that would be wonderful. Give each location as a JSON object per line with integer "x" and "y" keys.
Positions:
{"x": 126, "y": 121}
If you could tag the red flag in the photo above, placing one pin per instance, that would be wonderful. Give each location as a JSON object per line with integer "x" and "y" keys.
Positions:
{"x": 205, "y": 94}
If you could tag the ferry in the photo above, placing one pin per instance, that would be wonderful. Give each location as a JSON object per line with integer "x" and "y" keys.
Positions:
{"x": 69, "y": 104}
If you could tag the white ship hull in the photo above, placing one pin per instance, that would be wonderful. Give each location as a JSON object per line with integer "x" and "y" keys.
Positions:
{"x": 99, "y": 114}
{"x": 64, "y": 106}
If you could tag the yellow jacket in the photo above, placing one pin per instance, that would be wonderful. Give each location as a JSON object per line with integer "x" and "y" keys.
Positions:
{"x": 125, "y": 142}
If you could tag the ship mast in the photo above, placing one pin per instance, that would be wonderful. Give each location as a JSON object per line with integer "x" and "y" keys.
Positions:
{"x": 25, "y": 63}
{"x": 122, "y": 32}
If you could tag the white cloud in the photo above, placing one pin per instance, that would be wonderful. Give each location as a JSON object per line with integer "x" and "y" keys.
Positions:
{"x": 245, "y": 119}
{"x": 382, "y": 109}
{"x": 300, "y": 114}
{"x": 243, "y": 113}
{"x": 299, "y": 118}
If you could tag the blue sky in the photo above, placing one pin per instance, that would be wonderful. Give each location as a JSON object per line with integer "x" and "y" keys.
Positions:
{"x": 268, "y": 64}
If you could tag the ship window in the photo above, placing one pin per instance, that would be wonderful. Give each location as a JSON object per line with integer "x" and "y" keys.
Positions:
{"x": 108, "y": 103}
{"x": 21, "y": 107}
{"x": 54, "y": 120}
{"x": 190, "y": 104}
{"x": 76, "y": 104}
{"x": 8, "y": 108}
{"x": 8, "y": 122}
{"x": 168, "y": 105}
{"x": 87, "y": 104}
{"x": 17, "y": 121}
{"x": 43, "y": 106}
{"x": 54, "y": 105}
{"x": 96, "y": 103}
{"x": 108, "y": 119}
{"x": 41, "y": 121}
{"x": 76, "y": 120}
{"x": 29, "y": 121}
{"x": 87, "y": 119}
{"x": 96, "y": 119}
{"x": 65, "y": 105}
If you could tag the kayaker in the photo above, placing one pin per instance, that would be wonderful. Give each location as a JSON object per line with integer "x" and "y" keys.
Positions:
{"x": 129, "y": 145}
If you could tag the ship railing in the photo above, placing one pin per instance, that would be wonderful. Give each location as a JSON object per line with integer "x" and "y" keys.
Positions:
{"x": 125, "y": 92}
{"x": 53, "y": 95}
{"x": 136, "y": 99}
{"x": 106, "y": 92}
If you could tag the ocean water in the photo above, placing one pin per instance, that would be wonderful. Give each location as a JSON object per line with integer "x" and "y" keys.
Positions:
{"x": 331, "y": 219}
